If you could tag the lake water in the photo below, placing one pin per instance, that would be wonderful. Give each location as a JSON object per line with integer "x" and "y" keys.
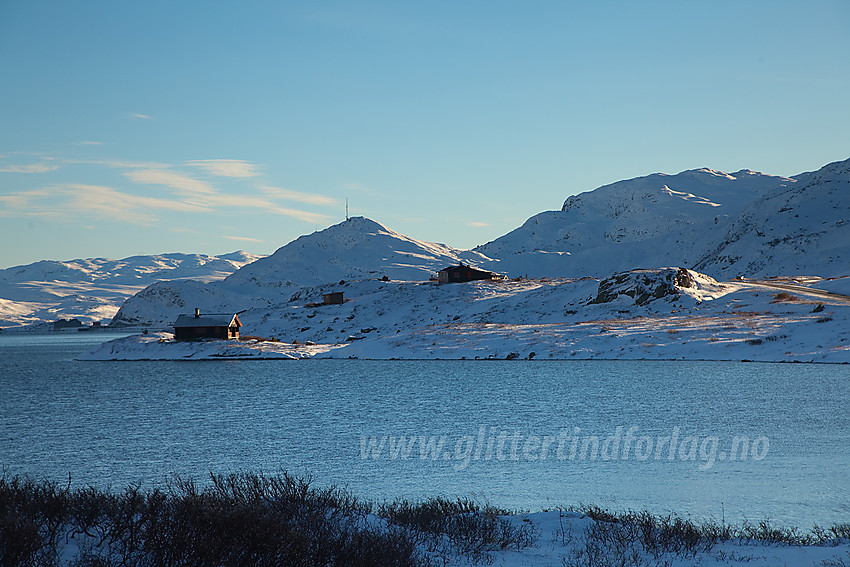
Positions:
{"x": 519, "y": 434}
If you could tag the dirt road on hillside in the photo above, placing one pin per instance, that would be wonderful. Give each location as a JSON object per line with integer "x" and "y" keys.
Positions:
{"x": 826, "y": 296}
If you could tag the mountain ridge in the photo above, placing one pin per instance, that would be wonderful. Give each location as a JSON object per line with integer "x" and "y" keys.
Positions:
{"x": 580, "y": 238}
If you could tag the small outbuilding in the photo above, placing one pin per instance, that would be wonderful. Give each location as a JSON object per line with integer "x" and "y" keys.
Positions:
{"x": 212, "y": 326}
{"x": 464, "y": 273}
{"x": 333, "y": 298}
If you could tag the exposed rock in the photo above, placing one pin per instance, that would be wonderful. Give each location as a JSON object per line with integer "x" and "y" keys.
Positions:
{"x": 644, "y": 286}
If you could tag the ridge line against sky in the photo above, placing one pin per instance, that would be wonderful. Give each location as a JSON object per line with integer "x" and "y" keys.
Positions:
{"x": 162, "y": 127}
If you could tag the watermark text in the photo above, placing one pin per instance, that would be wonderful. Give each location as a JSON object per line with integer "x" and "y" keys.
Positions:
{"x": 623, "y": 444}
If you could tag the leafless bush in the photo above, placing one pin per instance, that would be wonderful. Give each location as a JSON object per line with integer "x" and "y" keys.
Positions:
{"x": 840, "y": 531}
{"x": 640, "y": 538}
{"x": 236, "y": 520}
{"x": 32, "y": 519}
{"x": 462, "y": 525}
{"x": 252, "y": 520}
{"x": 765, "y": 531}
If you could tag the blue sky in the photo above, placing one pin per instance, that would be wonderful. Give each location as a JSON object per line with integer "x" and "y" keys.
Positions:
{"x": 149, "y": 127}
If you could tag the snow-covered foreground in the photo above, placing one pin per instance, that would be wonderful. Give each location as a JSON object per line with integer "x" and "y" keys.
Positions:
{"x": 566, "y": 539}
{"x": 574, "y": 539}
{"x": 665, "y": 314}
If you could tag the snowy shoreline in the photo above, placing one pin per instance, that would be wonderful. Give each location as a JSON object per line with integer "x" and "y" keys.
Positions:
{"x": 139, "y": 348}
{"x": 637, "y": 315}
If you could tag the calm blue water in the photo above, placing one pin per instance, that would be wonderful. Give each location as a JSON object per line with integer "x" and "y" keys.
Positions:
{"x": 114, "y": 423}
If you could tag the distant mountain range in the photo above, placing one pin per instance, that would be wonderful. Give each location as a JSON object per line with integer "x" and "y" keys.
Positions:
{"x": 720, "y": 224}
{"x": 92, "y": 289}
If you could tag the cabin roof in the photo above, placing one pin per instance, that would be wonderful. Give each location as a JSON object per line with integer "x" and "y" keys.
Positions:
{"x": 464, "y": 267}
{"x": 208, "y": 320}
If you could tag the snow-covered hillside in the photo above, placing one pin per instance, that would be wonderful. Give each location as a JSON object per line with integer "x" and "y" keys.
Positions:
{"x": 721, "y": 224}
{"x": 92, "y": 289}
{"x": 358, "y": 248}
{"x": 801, "y": 229}
{"x": 667, "y": 313}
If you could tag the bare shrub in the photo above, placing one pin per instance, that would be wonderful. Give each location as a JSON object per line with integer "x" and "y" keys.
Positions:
{"x": 463, "y": 525}
{"x": 239, "y": 520}
{"x": 32, "y": 519}
{"x": 840, "y": 531}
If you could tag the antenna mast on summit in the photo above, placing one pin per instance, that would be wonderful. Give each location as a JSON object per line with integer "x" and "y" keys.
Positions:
{"x": 346, "y": 208}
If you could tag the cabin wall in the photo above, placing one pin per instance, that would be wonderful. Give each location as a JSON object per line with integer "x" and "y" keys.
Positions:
{"x": 461, "y": 275}
{"x": 196, "y": 333}
{"x": 334, "y": 298}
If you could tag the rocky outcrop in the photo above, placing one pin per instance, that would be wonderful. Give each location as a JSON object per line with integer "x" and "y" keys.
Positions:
{"x": 645, "y": 286}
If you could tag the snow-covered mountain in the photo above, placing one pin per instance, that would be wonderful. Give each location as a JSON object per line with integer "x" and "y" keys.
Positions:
{"x": 92, "y": 289}
{"x": 803, "y": 228}
{"x": 721, "y": 224}
{"x": 358, "y": 248}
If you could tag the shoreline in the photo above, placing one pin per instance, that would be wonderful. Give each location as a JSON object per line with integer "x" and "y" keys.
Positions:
{"x": 158, "y": 347}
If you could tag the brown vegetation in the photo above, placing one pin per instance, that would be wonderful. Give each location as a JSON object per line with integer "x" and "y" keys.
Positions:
{"x": 785, "y": 297}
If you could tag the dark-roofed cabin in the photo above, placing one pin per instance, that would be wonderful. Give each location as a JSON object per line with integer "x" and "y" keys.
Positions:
{"x": 463, "y": 273}
{"x": 333, "y": 298}
{"x": 212, "y": 326}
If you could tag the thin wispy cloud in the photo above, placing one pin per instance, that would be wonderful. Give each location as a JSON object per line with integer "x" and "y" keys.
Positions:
{"x": 140, "y": 116}
{"x": 29, "y": 168}
{"x": 183, "y": 193}
{"x": 119, "y": 164}
{"x": 117, "y": 205}
{"x": 226, "y": 201}
{"x": 70, "y": 202}
{"x": 477, "y": 224}
{"x": 20, "y": 203}
{"x": 288, "y": 195}
{"x": 198, "y": 191}
{"x": 188, "y": 186}
{"x": 243, "y": 238}
{"x": 88, "y": 143}
{"x": 300, "y": 215}
{"x": 227, "y": 167}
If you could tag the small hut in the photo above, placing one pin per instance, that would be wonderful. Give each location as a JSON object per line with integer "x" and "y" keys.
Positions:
{"x": 333, "y": 298}
{"x": 212, "y": 326}
{"x": 464, "y": 273}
